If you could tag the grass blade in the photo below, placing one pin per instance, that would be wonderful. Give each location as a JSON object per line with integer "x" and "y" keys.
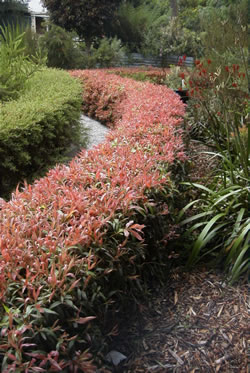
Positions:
{"x": 199, "y": 243}
{"x": 195, "y": 217}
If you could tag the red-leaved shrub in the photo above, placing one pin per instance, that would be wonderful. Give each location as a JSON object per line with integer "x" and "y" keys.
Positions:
{"x": 72, "y": 245}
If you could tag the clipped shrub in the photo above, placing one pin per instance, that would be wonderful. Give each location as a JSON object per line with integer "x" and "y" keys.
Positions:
{"x": 72, "y": 245}
{"x": 103, "y": 97}
{"x": 37, "y": 128}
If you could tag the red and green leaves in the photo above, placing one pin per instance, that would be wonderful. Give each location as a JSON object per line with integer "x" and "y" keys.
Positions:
{"x": 71, "y": 243}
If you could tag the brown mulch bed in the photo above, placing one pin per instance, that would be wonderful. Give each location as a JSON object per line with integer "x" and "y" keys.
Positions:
{"x": 196, "y": 323}
{"x": 203, "y": 164}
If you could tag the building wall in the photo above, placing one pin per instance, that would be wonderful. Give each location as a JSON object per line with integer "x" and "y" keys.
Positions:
{"x": 36, "y": 22}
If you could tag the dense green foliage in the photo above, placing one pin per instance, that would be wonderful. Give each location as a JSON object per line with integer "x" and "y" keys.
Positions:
{"x": 86, "y": 17}
{"x": 36, "y": 128}
{"x": 62, "y": 51}
{"x": 33, "y": 49}
{"x": 189, "y": 27}
{"x": 109, "y": 52}
{"x": 161, "y": 28}
{"x": 169, "y": 36}
{"x": 225, "y": 33}
{"x": 132, "y": 22}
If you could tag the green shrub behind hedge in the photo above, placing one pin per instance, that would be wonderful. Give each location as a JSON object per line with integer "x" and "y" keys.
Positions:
{"x": 37, "y": 128}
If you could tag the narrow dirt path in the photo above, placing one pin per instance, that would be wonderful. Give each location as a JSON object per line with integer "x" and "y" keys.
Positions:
{"x": 196, "y": 323}
{"x": 93, "y": 131}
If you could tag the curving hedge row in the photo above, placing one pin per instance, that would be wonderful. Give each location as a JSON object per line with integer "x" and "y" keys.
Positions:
{"x": 72, "y": 245}
{"x": 36, "y": 128}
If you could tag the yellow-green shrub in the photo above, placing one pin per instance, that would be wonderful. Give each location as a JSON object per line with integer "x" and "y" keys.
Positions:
{"x": 36, "y": 128}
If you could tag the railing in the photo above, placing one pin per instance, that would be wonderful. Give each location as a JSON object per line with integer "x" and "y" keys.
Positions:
{"x": 137, "y": 59}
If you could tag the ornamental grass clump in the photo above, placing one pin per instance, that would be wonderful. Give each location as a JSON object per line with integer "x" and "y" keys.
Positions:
{"x": 73, "y": 245}
{"x": 15, "y": 66}
{"x": 218, "y": 115}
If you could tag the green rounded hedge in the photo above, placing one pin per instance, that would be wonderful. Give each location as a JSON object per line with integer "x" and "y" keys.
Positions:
{"x": 36, "y": 128}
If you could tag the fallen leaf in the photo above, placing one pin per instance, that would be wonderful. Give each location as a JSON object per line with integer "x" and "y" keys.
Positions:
{"x": 175, "y": 297}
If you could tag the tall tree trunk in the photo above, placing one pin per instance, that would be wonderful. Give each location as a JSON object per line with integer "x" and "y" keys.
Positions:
{"x": 174, "y": 8}
{"x": 88, "y": 45}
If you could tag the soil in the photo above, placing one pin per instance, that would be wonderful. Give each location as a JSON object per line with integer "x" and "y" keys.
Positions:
{"x": 196, "y": 323}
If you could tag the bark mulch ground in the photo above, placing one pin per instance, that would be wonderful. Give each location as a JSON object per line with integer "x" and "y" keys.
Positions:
{"x": 197, "y": 323}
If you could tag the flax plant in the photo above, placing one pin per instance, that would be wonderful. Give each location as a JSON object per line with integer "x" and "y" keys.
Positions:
{"x": 220, "y": 224}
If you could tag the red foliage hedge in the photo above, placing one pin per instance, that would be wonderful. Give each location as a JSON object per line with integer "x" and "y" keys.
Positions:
{"x": 72, "y": 244}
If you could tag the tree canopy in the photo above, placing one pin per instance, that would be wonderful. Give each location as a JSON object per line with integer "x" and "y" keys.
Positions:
{"x": 160, "y": 27}
{"x": 86, "y": 17}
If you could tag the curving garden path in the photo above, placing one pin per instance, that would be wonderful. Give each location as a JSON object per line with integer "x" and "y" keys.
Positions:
{"x": 95, "y": 130}
{"x": 92, "y": 132}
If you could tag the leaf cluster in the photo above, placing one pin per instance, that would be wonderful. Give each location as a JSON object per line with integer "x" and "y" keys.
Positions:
{"x": 221, "y": 227}
{"x": 169, "y": 36}
{"x": 224, "y": 32}
{"x": 131, "y": 23}
{"x": 109, "y": 52}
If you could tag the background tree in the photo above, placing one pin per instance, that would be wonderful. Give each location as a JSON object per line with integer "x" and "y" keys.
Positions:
{"x": 86, "y": 17}
{"x": 131, "y": 23}
{"x": 159, "y": 27}
{"x": 134, "y": 19}
{"x": 62, "y": 51}
{"x": 190, "y": 13}
{"x": 169, "y": 37}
